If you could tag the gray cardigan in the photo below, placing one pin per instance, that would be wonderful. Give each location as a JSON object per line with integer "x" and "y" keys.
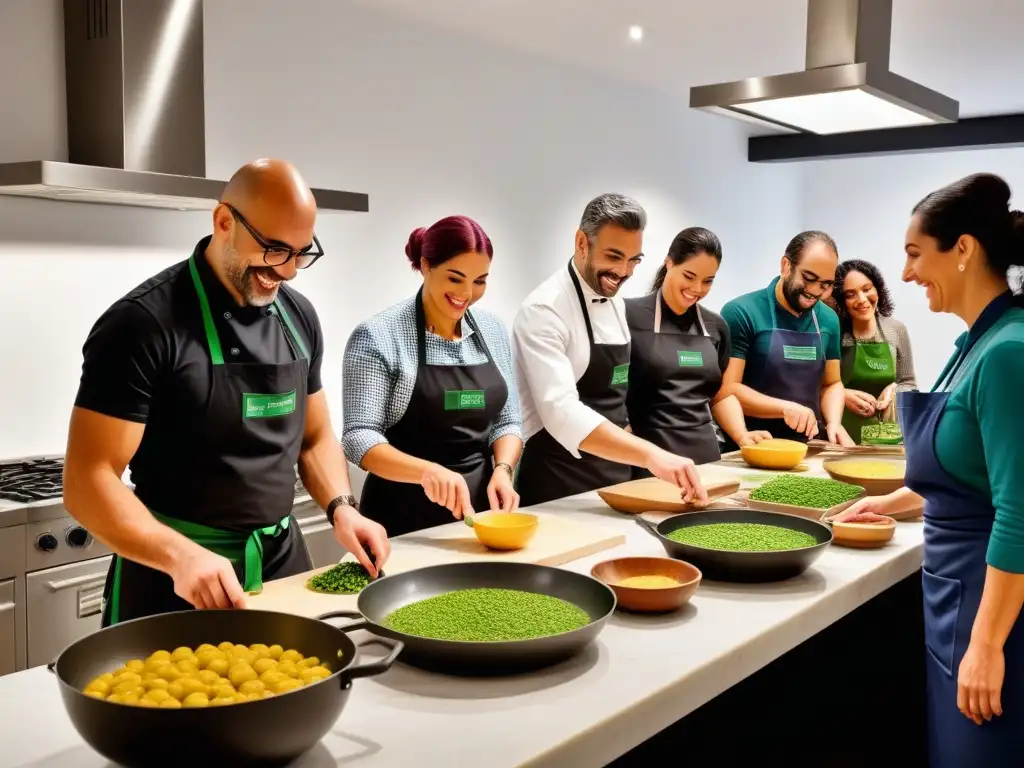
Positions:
{"x": 895, "y": 333}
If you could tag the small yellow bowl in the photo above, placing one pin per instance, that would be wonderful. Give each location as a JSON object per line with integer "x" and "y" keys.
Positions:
{"x": 504, "y": 530}
{"x": 774, "y": 454}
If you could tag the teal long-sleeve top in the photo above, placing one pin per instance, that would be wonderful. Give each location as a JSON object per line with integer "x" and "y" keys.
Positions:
{"x": 978, "y": 439}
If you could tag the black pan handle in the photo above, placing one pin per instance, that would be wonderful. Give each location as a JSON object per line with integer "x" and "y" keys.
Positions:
{"x": 52, "y": 666}
{"x": 648, "y": 526}
{"x": 371, "y": 668}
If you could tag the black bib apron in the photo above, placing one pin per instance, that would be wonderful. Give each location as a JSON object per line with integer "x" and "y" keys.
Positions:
{"x": 674, "y": 377}
{"x": 548, "y": 471}
{"x": 246, "y": 442}
{"x": 448, "y": 421}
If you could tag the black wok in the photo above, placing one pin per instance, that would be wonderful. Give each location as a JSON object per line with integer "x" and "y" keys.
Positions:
{"x": 380, "y": 598}
{"x": 268, "y": 732}
{"x": 726, "y": 565}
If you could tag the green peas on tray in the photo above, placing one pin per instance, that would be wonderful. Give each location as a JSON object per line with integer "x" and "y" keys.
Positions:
{"x": 813, "y": 492}
{"x": 343, "y": 579}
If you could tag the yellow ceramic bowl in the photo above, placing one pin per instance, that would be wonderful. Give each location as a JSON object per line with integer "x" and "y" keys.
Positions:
{"x": 504, "y": 530}
{"x": 774, "y": 454}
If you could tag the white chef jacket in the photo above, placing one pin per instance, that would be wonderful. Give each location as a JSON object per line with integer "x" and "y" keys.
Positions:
{"x": 551, "y": 352}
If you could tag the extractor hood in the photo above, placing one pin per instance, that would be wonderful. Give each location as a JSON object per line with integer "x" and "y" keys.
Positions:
{"x": 135, "y": 113}
{"x": 846, "y": 85}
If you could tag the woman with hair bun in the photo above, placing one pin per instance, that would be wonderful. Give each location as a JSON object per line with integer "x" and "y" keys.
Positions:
{"x": 966, "y": 460}
{"x": 429, "y": 401}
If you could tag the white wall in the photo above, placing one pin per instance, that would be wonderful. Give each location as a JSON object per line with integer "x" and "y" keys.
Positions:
{"x": 865, "y": 204}
{"x": 426, "y": 122}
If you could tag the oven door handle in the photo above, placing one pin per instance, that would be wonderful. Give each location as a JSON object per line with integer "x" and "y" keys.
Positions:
{"x": 5, "y": 607}
{"x": 88, "y": 581}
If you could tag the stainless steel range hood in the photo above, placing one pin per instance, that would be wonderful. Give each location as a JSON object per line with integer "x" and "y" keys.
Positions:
{"x": 135, "y": 112}
{"x": 846, "y": 85}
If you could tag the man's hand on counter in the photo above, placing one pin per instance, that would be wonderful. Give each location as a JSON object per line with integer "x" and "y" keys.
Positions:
{"x": 205, "y": 579}
{"x": 357, "y": 534}
{"x": 679, "y": 471}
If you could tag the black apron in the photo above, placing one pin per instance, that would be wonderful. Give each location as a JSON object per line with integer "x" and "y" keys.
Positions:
{"x": 793, "y": 370}
{"x": 674, "y": 377}
{"x": 548, "y": 471}
{"x": 448, "y": 421}
{"x": 246, "y": 441}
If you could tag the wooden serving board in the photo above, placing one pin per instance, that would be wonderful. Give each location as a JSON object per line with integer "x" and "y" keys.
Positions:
{"x": 558, "y": 540}
{"x": 653, "y": 495}
{"x": 809, "y": 512}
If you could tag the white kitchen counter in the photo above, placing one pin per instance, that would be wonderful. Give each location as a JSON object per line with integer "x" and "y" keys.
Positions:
{"x": 642, "y": 674}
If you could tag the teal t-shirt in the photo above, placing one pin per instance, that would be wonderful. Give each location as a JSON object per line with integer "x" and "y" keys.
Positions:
{"x": 750, "y": 319}
{"x": 978, "y": 439}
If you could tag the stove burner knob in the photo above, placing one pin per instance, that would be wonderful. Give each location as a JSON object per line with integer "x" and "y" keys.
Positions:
{"x": 77, "y": 537}
{"x": 46, "y": 542}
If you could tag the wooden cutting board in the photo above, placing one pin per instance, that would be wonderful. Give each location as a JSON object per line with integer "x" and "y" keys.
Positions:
{"x": 653, "y": 495}
{"x": 558, "y": 540}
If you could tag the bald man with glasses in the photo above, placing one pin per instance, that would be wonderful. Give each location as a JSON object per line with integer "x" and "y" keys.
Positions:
{"x": 205, "y": 382}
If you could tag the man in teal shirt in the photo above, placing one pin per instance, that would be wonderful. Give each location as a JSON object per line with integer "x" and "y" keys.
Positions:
{"x": 785, "y": 347}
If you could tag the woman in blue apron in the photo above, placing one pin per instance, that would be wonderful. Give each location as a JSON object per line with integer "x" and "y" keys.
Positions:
{"x": 965, "y": 459}
{"x": 678, "y": 353}
{"x": 876, "y": 360}
{"x": 430, "y": 407}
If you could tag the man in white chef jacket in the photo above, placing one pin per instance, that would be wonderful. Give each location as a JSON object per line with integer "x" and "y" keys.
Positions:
{"x": 571, "y": 347}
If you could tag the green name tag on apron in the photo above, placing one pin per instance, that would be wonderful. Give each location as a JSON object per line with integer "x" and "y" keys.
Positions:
{"x": 464, "y": 400}
{"x": 267, "y": 406}
{"x": 620, "y": 374}
{"x": 806, "y": 354}
{"x": 688, "y": 358}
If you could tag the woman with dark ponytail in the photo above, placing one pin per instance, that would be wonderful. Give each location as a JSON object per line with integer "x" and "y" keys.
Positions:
{"x": 965, "y": 459}
{"x": 678, "y": 354}
{"x": 429, "y": 399}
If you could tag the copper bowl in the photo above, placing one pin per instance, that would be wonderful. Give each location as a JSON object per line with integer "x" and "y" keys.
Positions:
{"x": 648, "y": 599}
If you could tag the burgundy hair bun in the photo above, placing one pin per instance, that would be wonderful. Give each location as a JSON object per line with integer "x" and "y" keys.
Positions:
{"x": 414, "y": 248}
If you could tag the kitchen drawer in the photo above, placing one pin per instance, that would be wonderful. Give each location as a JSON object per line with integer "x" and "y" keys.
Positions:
{"x": 64, "y": 605}
{"x": 8, "y": 629}
{"x": 12, "y": 551}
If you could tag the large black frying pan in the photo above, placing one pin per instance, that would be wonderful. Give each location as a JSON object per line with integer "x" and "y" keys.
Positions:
{"x": 383, "y": 596}
{"x": 725, "y": 565}
{"x": 269, "y": 732}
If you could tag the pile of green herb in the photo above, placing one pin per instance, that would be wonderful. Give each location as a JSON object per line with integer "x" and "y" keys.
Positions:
{"x": 884, "y": 433}
{"x": 490, "y": 615}
{"x": 813, "y": 492}
{"x": 346, "y": 578}
{"x": 742, "y": 537}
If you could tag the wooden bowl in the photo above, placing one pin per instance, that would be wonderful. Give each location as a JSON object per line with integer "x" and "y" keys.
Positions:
{"x": 775, "y": 454}
{"x": 844, "y": 470}
{"x": 504, "y": 530}
{"x": 647, "y": 599}
{"x": 863, "y": 535}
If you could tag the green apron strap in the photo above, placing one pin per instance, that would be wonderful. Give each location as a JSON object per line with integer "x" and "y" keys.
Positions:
{"x": 279, "y": 308}
{"x": 115, "y": 593}
{"x": 212, "y": 339}
{"x": 254, "y": 554}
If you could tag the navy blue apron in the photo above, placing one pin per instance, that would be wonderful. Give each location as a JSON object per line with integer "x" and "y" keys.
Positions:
{"x": 675, "y": 376}
{"x": 957, "y": 525}
{"x": 547, "y": 471}
{"x": 793, "y": 370}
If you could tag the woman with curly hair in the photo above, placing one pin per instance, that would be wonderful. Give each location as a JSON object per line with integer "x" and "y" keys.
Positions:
{"x": 875, "y": 359}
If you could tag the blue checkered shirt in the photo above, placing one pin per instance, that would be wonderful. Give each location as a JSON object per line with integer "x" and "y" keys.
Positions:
{"x": 379, "y": 373}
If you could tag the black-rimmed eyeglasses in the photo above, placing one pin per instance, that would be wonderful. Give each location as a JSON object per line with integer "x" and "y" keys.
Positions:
{"x": 276, "y": 253}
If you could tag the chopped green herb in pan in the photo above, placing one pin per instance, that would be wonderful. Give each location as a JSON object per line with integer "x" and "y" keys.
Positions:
{"x": 487, "y": 615}
{"x": 343, "y": 579}
{"x": 742, "y": 537}
{"x": 813, "y": 492}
